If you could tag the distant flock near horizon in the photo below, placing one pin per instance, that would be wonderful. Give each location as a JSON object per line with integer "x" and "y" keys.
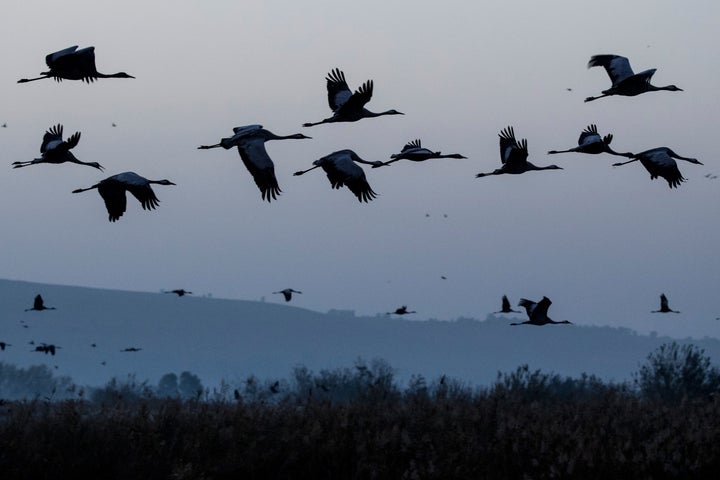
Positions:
{"x": 537, "y": 313}
{"x": 341, "y": 167}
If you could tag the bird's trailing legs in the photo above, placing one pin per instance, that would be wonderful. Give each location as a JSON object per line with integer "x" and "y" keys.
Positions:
{"x": 302, "y": 172}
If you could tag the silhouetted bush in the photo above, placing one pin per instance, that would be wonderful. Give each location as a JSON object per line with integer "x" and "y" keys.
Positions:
{"x": 356, "y": 422}
{"x": 674, "y": 372}
{"x": 36, "y": 381}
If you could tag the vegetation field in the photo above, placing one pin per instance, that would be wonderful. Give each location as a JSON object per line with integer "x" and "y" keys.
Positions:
{"x": 358, "y": 423}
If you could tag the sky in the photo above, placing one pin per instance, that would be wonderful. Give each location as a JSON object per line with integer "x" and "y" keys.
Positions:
{"x": 601, "y": 242}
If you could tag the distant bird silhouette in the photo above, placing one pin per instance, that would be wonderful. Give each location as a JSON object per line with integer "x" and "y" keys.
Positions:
{"x": 56, "y": 150}
{"x": 506, "y": 306}
{"x": 513, "y": 155}
{"x": 342, "y": 169}
{"x": 39, "y": 304}
{"x": 131, "y": 349}
{"x": 250, "y": 142}
{"x": 113, "y": 188}
{"x": 179, "y": 292}
{"x": 659, "y": 163}
{"x": 401, "y": 311}
{"x": 287, "y": 293}
{"x": 537, "y": 311}
{"x": 114, "y": 124}
{"x": 4, "y": 125}
{"x": 348, "y": 106}
{"x": 624, "y": 81}
{"x": 73, "y": 64}
{"x": 591, "y": 142}
{"x": 4, "y": 345}
{"x": 415, "y": 152}
{"x": 47, "y": 348}
{"x": 664, "y": 308}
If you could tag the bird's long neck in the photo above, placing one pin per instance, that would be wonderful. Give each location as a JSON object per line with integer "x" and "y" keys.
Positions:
{"x": 449, "y": 155}
{"x": 613, "y": 152}
{"x": 679, "y": 157}
{"x": 79, "y": 190}
{"x": 552, "y": 152}
{"x": 25, "y": 80}
{"x": 302, "y": 172}
{"x": 368, "y": 113}
{"x": 590, "y": 99}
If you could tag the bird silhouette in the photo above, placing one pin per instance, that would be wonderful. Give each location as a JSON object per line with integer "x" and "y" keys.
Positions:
{"x": 287, "y": 293}
{"x": 4, "y": 345}
{"x": 345, "y": 105}
{"x": 342, "y": 169}
{"x": 131, "y": 349}
{"x": 664, "y": 308}
{"x": 39, "y": 304}
{"x": 179, "y": 292}
{"x": 624, "y": 81}
{"x": 591, "y": 142}
{"x": 513, "y": 155}
{"x": 537, "y": 313}
{"x": 56, "y": 150}
{"x": 415, "y": 152}
{"x": 250, "y": 142}
{"x": 659, "y": 163}
{"x": 46, "y": 348}
{"x": 401, "y": 311}
{"x": 113, "y": 188}
{"x": 73, "y": 64}
{"x": 506, "y": 308}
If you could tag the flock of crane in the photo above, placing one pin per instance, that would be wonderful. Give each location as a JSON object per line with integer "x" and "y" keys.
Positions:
{"x": 342, "y": 167}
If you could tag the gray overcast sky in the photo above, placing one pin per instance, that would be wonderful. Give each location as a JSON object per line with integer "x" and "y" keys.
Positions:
{"x": 601, "y": 242}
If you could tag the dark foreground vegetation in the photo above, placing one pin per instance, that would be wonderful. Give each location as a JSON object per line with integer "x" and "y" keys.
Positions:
{"x": 358, "y": 423}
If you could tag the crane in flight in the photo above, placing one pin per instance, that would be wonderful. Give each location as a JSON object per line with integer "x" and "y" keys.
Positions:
{"x": 513, "y": 155}
{"x": 73, "y": 64}
{"x": 342, "y": 170}
{"x": 625, "y": 82}
{"x": 346, "y": 105}
{"x": 112, "y": 190}
{"x": 537, "y": 313}
{"x": 659, "y": 162}
{"x": 56, "y": 150}
{"x": 250, "y": 142}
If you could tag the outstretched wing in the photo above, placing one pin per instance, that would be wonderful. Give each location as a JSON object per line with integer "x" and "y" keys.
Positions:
{"x": 529, "y": 306}
{"x": 589, "y": 135}
{"x": 261, "y": 167}
{"x": 617, "y": 67}
{"x": 338, "y": 90}
{"x": 412, "y": 145}
{"x": 52, "y": 138}
{"x": 512, "y": 151}
{"x": 55, "y": 56}
{"x": 113, "y": 193}
{"x": 357, "y": 100}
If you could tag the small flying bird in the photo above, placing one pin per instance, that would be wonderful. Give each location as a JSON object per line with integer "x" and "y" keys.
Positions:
{"x": 415, "y": 152}
{"x": 537, "y": 312}
{"x": 401, "y": 311}
{"x": 664, "y": 308}
{"x": 342, "y": 169}
{"x": 56, "y": 150}
{"x": 3, "y": 345}
{"x": 506, "y": 308}
{"x": 179, "y": 292}
{"x": 39, "y": 304}
{"x": 348, "y": 106}
{"x": 131, "y": 349}
{"x": 287, "y": 293}
{"x": 659, "y": 163}
{"x": 591, "y": 142}
{"x": 513, "y": 155}
{"x": 45, "y": 348}
{"x": 113, "y": 188}
{"x": 250, "y": 142}
{"x": 4, "y": 125}
{"x": 73, "y": 64}
{"x": 624, "y": 81}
